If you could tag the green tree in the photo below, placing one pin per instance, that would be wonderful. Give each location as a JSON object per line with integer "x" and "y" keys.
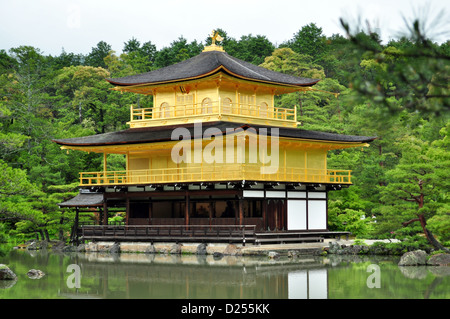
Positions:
{"x": 439, "y": 223}
{"x": 140, "y": 58}
{"x": 341, "y": 60}
{"x": 25, "y": 95}
{"x": 250, "y": 48}
{"x": 179, "y": 50}
{"x": 10, "y": 143}
{"x": 15, "y": 191}
{"x": 86, "y": 97}
{"x": 253, "y": 49}
{"x": 415, "y": 72}
{"x": 119, "y": 66}
{"x": 285, "y": 60}
{"x": 309, "y": 40}
{"x": 347, "y": 211}
{"x": 65, "y": 59}
{"x": 418, "y": 185}
{"x": 97, "y": 55}
{"x": 7, "y": 63}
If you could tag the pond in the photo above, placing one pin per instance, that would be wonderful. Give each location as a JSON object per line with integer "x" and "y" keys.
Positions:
{"x": 157, "y": 276}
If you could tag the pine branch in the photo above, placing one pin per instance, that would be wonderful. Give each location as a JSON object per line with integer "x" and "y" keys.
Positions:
{"x": 410, "y": 222}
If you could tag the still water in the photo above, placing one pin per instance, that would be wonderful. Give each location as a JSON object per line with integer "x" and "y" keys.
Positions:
{"x": 126, "y": 276}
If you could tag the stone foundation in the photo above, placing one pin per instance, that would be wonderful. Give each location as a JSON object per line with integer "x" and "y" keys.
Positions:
{"x": 161, "y": 248}
{"x": 199, "y": 249}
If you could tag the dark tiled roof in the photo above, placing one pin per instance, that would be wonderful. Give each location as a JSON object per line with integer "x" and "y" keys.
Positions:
{"x": 84, "y": 200}
{"x": 158, "y": 134}
{"x": 207, "y": 63}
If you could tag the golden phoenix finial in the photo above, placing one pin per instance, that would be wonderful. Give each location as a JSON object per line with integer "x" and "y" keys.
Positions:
{"x": 215, "y": 36}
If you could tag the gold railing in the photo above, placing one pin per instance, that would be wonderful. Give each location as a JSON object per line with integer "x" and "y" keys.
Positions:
{"x": 212, "y": 108}
{"x": 214, "y": 174}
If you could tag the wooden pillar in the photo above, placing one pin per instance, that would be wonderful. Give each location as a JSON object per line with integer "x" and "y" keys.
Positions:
{"x": 241, "y": 212}
{"x": 211, "y": 209}
{"x": 264, "y": 213}
{"x": 127, "y": 215}
{"x": 326, "y": 207}
{"x": 150, "y": 209}
{"x": 75, "y": 227}
{"x": 307, "y": 211}
{"x": 186, "y": 210}
{"x": 105, "y": 212}
{"x": 104, "y": 168}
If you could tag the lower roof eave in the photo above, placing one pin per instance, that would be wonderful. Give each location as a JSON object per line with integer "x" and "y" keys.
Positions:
{"x": 84, "y": 200}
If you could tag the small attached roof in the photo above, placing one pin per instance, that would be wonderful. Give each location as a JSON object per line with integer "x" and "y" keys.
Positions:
{"x": 84, "y": 200}
{"x": 161, "y": 134}
{"x": 208, "y": 63}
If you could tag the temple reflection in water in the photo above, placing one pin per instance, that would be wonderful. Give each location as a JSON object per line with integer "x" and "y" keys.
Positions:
{"x": 133, "y": 276}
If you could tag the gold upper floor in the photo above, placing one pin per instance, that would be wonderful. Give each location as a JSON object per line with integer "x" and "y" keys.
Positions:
{"x": 218, "y": 98}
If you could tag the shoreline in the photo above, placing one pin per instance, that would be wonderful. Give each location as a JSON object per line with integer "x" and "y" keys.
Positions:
{"x": 328, "y": 246}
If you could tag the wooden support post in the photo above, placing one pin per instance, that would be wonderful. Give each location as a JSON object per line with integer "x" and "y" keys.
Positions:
{"x": 105, "y": 212}
{"x": 131, "y": 113}
{"x": 150, "y": 208}
{"x": 127, "y": 210}
{"x": 186, "y": 211}
{"x": 264, "y": 213}
{"x": 104, "y": 168}
{"x": 241, "y": 212}
{"x": 211, "y": 209}
{"x": 76, "y": 226}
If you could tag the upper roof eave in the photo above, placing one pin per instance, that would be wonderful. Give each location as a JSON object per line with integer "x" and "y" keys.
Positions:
{"x": 148, "y": 87}
{"x": 207, "y": 63}
{"x": 221, "y": 68}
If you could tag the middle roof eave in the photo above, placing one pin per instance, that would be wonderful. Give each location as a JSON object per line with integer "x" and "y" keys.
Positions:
{"x": 158, "y": 134}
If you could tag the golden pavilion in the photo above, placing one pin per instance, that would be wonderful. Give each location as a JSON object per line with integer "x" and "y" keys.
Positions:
{"x": 213, "y": 156}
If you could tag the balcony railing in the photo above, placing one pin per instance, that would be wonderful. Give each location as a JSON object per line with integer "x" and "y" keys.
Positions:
{"x": 213, "y": 108}
{"x": 214, "y": 174}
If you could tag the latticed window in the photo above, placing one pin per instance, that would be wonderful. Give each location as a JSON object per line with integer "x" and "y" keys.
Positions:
{"x": 246, "y": 100}
{"x": 207, "y": 106}
{"x": 263, "y": 109}
{"x": 226, "y": 105}
{"x": 247, "y": 104}
{"x": 165, "y": 110}
{"x": 185, "y": 104}
{"x": 185, "y": 99}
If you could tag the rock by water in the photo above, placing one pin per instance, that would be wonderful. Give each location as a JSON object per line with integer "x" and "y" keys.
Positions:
{"x": 35, "y": 274}
{"x": 413, "y": 258}
{"x": 439, "y": 260}
{"x": 201, "y": 249}
{"x": 6, "y": 273}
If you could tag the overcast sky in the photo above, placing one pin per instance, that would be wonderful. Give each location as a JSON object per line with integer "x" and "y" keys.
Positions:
{"x": 78, "y": 25}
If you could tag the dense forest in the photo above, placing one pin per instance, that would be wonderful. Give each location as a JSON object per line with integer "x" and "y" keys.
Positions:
{"x": 398, "y": 91}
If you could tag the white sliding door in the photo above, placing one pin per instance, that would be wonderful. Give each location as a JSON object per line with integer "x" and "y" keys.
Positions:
{"x": 317, "y": 214}
{"x": 296, "y": 215}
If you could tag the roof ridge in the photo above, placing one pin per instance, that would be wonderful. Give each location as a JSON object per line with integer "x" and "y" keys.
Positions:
{"x": 245, "y": 67}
